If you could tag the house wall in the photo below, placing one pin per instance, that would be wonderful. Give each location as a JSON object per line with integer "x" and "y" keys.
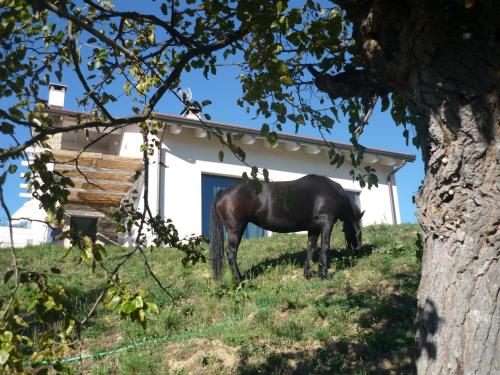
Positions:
{"x": 36, "y": 234}
{"x": 187, "y": 157}
{"x": 175, "y": 188}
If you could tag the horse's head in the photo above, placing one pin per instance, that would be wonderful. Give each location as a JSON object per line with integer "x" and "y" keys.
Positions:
{"x": 352, "y": 228}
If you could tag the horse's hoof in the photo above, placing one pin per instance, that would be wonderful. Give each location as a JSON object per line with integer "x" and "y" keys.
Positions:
{"x": 307, "y": 275}
{"x": 324, "y": 275}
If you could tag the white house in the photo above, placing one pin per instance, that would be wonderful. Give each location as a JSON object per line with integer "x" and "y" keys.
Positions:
{"x": 28, "y": 227}
{"x": 185, "y": 174}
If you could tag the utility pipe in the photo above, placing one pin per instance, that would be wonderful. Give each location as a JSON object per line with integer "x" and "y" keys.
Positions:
{"x": 161, "y": 174}
{"x": 391, "y": 195}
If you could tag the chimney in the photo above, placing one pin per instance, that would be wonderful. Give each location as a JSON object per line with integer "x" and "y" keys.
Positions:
{"x": 56, "y": 95}
{"x": 189, "y": 112}
{"x": 192, "y": 113}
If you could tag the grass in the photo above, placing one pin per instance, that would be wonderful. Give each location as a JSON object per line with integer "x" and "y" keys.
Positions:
{"x": 274, "y": 322}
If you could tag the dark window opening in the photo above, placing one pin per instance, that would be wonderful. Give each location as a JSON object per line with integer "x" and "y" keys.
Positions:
{"x": 86, "y": 226}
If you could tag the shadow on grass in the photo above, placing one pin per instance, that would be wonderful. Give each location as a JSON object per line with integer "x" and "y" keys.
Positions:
{"x": 383, "y": 343}
{"x": 340, "y": 357}
{"x": 338, "y": 258}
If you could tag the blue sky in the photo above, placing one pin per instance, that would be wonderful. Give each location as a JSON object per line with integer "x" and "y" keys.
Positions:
{"x": 223, "y": 90}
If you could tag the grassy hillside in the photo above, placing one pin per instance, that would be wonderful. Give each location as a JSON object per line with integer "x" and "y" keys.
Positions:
{"x": 360, "y": 321}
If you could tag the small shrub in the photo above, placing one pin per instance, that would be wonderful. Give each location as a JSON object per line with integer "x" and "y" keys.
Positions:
{"x": 289, "y": 330}
{"x": 321, "y": 311}
{"x": 321, "y": 334}
{"x": 263, "y": 317}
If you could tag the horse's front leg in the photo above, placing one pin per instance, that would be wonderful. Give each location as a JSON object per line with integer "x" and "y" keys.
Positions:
{"x": 312, "y": 241}
{"x": 233, "y": 241}
{"x": 326, "y": 232}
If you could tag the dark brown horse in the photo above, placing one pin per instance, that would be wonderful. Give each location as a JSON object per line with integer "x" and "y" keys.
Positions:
{"x": 311, "y": 203}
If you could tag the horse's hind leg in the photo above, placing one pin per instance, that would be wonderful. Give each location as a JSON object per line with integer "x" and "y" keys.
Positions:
{"x": 312, "y": 241}
{"x": 326, "y": 232}
{"x": 233, "y": 241}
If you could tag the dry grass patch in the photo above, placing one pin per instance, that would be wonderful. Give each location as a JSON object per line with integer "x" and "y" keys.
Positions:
{"x": 201, "y": 356}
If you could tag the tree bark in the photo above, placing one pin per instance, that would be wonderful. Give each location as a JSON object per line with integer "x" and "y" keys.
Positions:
{"x": 443, "y": 57}
{"x": 458, "y": 322}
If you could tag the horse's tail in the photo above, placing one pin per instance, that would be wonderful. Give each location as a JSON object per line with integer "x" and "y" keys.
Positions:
{"x": 216, "y": 240}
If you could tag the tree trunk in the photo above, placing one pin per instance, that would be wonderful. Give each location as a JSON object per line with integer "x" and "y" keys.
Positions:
{"x": 458, "y": 322}
{"x": 443, "y": 57}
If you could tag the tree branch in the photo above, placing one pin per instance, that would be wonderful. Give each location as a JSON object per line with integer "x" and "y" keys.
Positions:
{"x": 61, "y": 12}
{"x": 74, "y": 57}
{"x": 15, "y": 264}
{"x": 188, "y": 42}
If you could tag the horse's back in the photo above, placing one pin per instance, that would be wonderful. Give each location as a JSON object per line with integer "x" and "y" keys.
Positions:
{"x": 284, "y": 206}
{"x": 236, "y": 203}
{"x": 297, "y": 205}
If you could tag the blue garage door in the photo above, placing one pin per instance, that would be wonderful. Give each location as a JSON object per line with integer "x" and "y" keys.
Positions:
{"x": 210, "y": 186}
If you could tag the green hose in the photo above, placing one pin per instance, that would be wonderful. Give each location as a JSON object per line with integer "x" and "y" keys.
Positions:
{"x": 149, "y": 342}
{"x": 187, "y": 335}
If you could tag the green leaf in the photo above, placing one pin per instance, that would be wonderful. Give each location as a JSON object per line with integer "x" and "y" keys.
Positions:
{"x": 241, "y": 153}
{"x": 221, "y": 156}
{"x": 14, "y": 112}
{"x": 6, "y": 336}
{"x": 141, "y": 316}
{"x": 6, "y": 128}
{"x": 4, "y": 356}
{"x": 280, "y": 6}
{"x": 70, "y": 326}
{"x": 406, "y": 135}
{"x": 266, "y": 174}
{"x": 139, "y": 303}
{"x": 20, "y": 322}
{"x": 272, "y": 137}
{"x": 7, "y": 276}
{"x": 12, "y": 168}
{"x": 115, "y": 301}
{"x": 151, "y": 307}
{"x": 385, "y": 103}
{"x": 164, "y": 8}
{"x": 286, "y": 80}
{"x": 151, "y": 38}
{"x": 282, "y": 68}
{"x": 49, "y": 304}
{"x": 127, "y": 307}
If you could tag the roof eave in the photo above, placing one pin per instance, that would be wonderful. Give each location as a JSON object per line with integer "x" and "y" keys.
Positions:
{"x": 179, "y": 120}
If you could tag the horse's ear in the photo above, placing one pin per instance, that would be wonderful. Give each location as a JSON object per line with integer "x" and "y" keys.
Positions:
{"x": 362, "y": 213}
